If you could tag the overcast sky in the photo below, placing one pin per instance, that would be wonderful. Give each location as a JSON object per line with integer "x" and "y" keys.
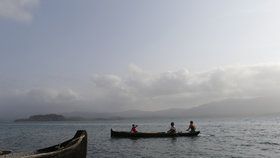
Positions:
{"x": 71, "y": 55}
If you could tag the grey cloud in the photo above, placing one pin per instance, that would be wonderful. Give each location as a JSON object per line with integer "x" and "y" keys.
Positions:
{"x": 20, "y": 10}
{"x": 20, "y": 103}
{"x": 185, "y": 89}
{"x": 143, "y": 90}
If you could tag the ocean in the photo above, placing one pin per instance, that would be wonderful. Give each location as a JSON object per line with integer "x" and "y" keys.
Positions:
{"x": 248, "y": 137}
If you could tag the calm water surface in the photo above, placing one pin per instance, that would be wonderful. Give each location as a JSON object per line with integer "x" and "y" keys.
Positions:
{"x": 227, "y": 137}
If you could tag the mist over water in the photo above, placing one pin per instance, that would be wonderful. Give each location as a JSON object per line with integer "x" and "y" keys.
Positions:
{"x": 139, "y": 59}
{"x": 221, "y": 137}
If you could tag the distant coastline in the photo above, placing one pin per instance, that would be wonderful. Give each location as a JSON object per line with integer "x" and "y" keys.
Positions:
{"x": 57, "y": 117}
{"x": 47, "y": 117}
{"x": 231, "y": 107}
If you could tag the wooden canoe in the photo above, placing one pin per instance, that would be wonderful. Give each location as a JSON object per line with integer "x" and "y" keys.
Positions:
{"x": 122, "y": 134}
{"x": 72, "y": 148}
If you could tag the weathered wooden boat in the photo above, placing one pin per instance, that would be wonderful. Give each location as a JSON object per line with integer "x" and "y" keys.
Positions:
{"x": 72, "y": 148}
{"x": 123, "y": 134}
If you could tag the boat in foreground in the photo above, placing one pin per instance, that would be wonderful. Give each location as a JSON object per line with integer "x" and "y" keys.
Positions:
{"x": 72, "y": 148}
{"x": 122, "y": 134}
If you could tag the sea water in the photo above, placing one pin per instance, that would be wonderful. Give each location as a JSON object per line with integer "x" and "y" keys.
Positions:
{"x": 220, "y": 137}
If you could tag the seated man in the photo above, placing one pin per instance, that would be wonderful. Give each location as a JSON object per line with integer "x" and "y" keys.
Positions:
{"x": 133, "y": 129}
{"x": 172, "y": 128}
{"x": 191, "y": 127}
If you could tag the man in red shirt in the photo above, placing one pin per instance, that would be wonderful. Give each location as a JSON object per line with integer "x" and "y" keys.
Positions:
{"x": 133, "y": 129}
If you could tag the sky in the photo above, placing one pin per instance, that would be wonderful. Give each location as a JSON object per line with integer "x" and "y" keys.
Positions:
{"x": 107, "y": 56}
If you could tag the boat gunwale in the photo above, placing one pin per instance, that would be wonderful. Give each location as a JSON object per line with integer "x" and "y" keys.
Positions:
{"x": 76, "y": 143}
{"x": 125, "y": 134}
{"x": 53, "y": 153}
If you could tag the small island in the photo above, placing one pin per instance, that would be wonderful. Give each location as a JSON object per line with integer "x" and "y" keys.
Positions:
{"x": 57, "y": 117}
{"x": 47, "y": 117}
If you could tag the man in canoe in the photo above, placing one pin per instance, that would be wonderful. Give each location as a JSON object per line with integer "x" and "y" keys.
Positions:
{"x": 172, "y": 128}
{"x": 191, "y": 127}
{"x": 133, "y": 128}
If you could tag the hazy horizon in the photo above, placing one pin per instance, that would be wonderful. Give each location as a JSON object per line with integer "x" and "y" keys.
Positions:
{"x": 109, "y": 56}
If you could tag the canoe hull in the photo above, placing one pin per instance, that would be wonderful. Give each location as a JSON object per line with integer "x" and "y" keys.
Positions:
{"x": 73, "y": 148}
{"x": 122, "y": 134}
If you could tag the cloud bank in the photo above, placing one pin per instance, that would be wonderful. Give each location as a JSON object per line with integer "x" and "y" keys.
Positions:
{"x": 183, "y": 89}
{"x": 20, "y": 10}
{"x": 143, "y": 90}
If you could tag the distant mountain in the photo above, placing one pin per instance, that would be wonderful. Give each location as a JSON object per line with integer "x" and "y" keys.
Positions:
{"x": 237, "y": 107}
{"x": 224, "y": 108}
{"x": 88, "y": 114}
{"x": 48, "y": 117}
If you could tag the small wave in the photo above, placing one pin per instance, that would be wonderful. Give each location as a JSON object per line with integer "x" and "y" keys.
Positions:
{"x": 269, "y": 143}
{"x": 264, "y": 149}
{"x": 207, "y": 135}
{"x": 246, "y": 145}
